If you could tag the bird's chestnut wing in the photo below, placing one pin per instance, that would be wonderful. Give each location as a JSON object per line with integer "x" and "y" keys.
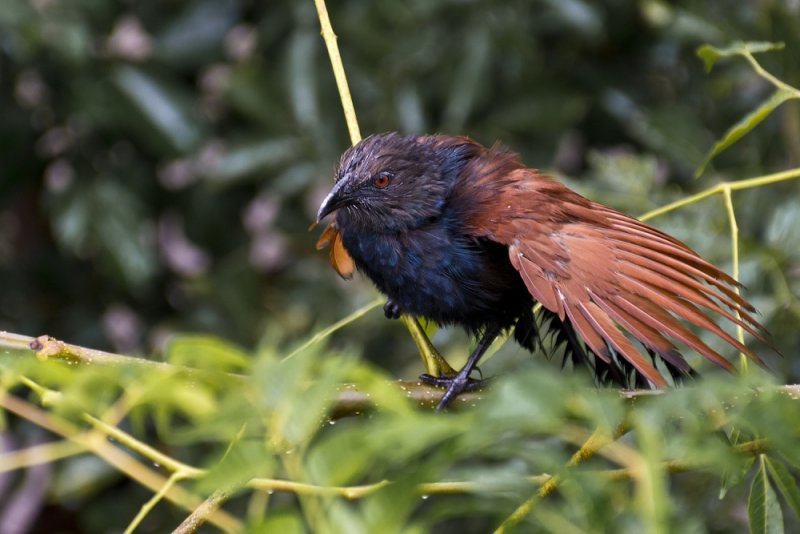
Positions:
{"x": 608, "y": 273}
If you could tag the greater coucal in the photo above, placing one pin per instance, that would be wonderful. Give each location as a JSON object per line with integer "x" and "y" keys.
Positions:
{"x": 463, "y": 234}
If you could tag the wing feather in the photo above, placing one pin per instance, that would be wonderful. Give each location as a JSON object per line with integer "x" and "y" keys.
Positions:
{"x": 703, "y": 270}
{"x": 686, "y": 287}
{"x": 604, "y": 326}
{"x": 655, "y": 339}
{"x": 690, "y": 313}
{"x": 542, "y": 289}
{"x": 608, "y": 274}
{"x": 660, "y": 319}
{"x": 590, "y": 335}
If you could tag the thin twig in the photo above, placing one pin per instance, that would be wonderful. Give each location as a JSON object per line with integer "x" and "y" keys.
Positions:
{"x": 145, "y": 450}
{"x": 435, "y": 364}
{"x": 325, "y": 332}
{"x": 726, "y": 193}
{"x": 592, "y": 445}
{"x": 202, "y": 513}
{"x": 120, "y": 460}
{"x": 720, "y": 187}
{"x": 39, "y": 454}
{"x": 761, "y": 71}
{"x": 152, "y": 502}
{"x": 338, "y": 71}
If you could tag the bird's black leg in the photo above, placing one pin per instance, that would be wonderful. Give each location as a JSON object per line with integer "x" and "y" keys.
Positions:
{"x": 461, "y": 381}
{"x": 392, "y": 310}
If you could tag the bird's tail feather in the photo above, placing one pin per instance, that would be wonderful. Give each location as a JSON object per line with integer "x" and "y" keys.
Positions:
{"x": 616, "y": 370}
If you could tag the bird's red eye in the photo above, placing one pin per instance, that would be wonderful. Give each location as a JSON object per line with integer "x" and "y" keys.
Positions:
{"x": 381, "y": 180}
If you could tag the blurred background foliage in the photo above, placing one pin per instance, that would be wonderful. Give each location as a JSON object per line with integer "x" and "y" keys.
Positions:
{"x": 160, "y": 163}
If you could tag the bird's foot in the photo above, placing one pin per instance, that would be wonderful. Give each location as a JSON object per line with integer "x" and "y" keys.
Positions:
{"x": 392, "y": 310}
{"x": 454, "y": 385}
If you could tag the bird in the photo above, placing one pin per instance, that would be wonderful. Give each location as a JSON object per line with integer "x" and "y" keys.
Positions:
{"x": 462, "y": 234}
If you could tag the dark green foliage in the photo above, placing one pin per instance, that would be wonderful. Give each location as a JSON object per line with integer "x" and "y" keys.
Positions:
{"x": 270, "y": 422}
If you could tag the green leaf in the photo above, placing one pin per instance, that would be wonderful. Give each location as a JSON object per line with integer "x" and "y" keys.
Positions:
{"x": 279, "y": 521}
{"x": 117, "y": 219}
{"x": 243, "y": 460}
{"x": 785, "y": 482}
{"x": 747, "y": 123}
{"x": 302, "y": 75}
{"x": 163, "y": 106}
{"x": 710, "y": 54}
{"x": 732, "y": 477}
{"x": 196, "y": 33}
{"x": 205, "y": 352}
{"x": 763, "y": 511}
{"x": 247, "y": 159}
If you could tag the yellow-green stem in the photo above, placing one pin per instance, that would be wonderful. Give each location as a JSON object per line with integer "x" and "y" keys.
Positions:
{"x": 434, "y": 363}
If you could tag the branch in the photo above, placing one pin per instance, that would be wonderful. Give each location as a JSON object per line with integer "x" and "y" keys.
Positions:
{"x": 349, "y": 401}
{"x": 761, "y": 71}
{"x": 47, "y": 347}
{"x": 202, "y": 513}
{"x": 720, "y": 188}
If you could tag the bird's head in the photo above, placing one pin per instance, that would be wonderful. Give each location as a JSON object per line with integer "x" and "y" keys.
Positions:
{"x": 389, "y": 182}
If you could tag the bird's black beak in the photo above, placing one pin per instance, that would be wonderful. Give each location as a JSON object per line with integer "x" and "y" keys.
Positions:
{"x": 335, "y": 200}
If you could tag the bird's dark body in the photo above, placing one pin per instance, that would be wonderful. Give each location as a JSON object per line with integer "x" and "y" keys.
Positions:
{"x": 439, "y": 272}
{"x": 466, "y": 235}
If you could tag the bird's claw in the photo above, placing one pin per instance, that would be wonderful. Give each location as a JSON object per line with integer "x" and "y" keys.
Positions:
{"x": 454, "y": 385}
{"x": 392, "y": 310}
{"x": 471, "y": 384}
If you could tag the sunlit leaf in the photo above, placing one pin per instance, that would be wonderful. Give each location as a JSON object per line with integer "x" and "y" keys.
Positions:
{"x": 747, "y": 123}
{"x": 710, "y": 54}
{"x": 205, "y": 352}
{"x": 346, "y": 519}
{"x": 384, "y": 444}
{"x": 786, "y": 483}
{"x": 733, "y": 477}
{"x": 763, "y": 510}
{"x": 282, "y": 521}
{"x": 243, "y": 460}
